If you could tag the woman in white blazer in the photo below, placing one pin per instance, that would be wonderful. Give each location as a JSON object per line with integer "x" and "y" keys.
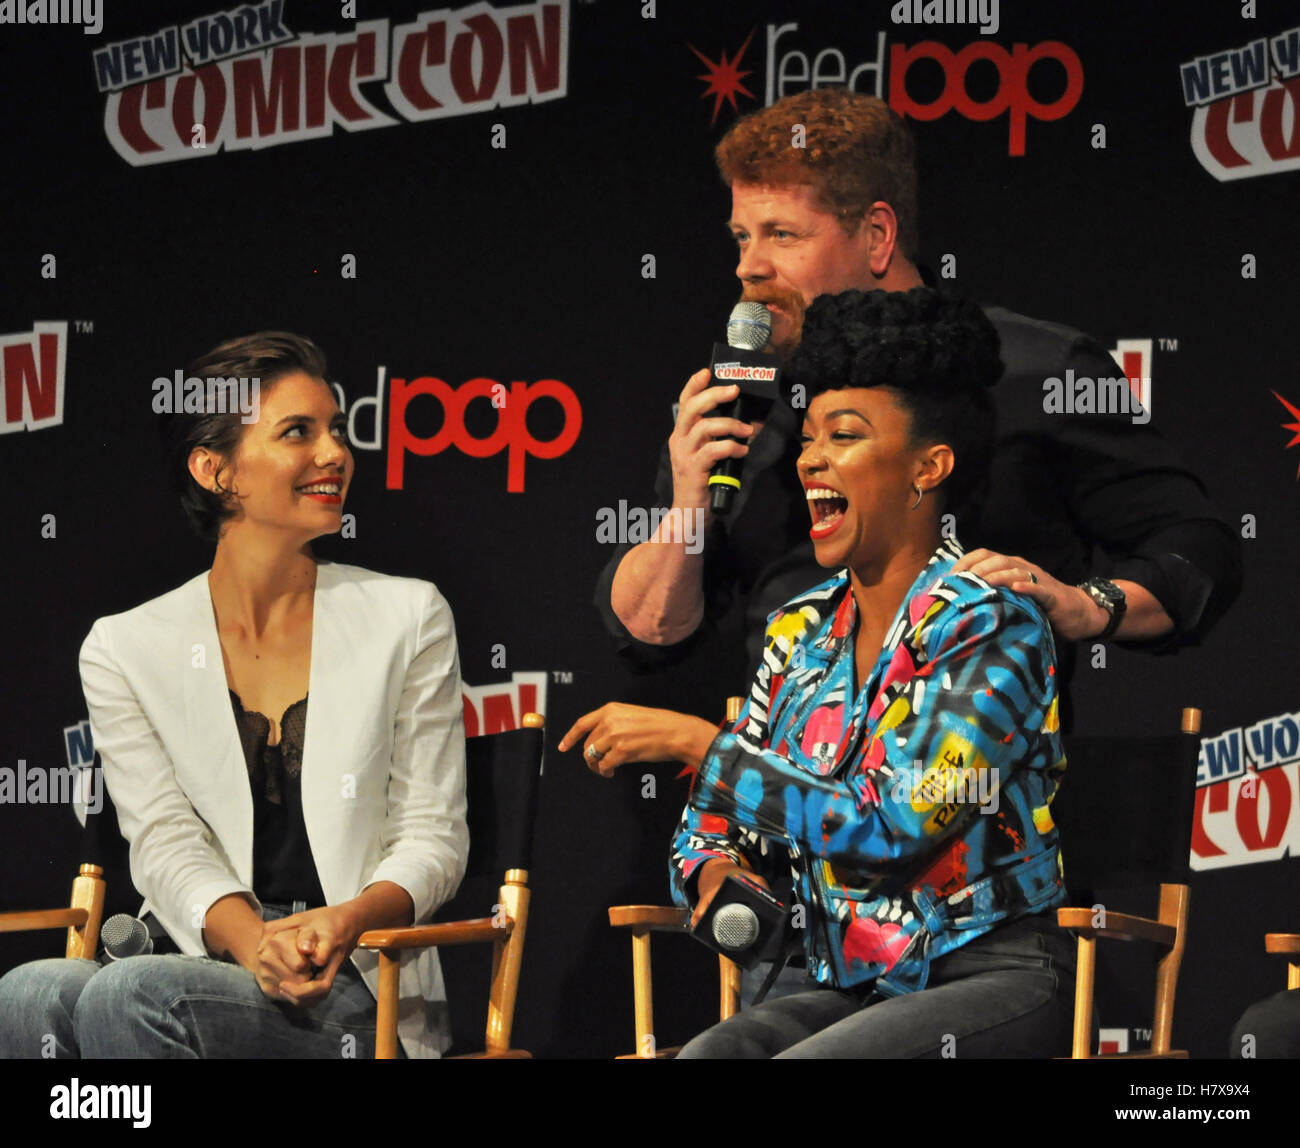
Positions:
{"x": 283, "y": 740}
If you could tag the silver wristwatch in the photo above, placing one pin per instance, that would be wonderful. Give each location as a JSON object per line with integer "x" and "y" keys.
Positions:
{"x": 1110, "y": 598}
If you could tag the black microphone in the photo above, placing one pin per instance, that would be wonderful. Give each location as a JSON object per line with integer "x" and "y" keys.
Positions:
{"x": 743, "y": 922}
{"x": 743, "y": 362}
{"x": 125, "y": 936}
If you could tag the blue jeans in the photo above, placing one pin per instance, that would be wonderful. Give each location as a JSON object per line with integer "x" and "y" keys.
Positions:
{"x": 1009, "y": 993}
{"x": 175, "y": 1007}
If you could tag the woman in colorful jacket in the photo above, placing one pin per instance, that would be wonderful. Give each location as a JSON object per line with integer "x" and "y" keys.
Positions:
{"x": 900, "y": 744}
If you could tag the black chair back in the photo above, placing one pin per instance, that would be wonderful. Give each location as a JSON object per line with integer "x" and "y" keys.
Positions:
{"x": 1124, "y": 810}
{"x": 502, "y": 773}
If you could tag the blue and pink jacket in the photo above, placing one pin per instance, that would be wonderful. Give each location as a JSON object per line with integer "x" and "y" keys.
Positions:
{"x": 914, "y": 810}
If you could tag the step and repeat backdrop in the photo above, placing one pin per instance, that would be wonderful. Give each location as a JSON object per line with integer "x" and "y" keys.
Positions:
{"x": 484, "y": 202}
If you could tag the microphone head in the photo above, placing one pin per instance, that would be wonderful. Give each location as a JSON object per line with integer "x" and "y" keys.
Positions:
{"x": 125, "y": 936}
{"x": 735, "y": 926}
{"x": 750, "y": 326}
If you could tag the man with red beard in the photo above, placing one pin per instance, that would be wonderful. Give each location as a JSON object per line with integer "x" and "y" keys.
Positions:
{"x": 840, "y": 213}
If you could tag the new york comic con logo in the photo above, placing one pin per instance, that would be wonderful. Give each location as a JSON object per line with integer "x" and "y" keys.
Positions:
{"x": 1247, "y": 101}
{"x": 792, "y": 64}
{"x": 240, "y": 78}
{"x": 1248, "y": 783}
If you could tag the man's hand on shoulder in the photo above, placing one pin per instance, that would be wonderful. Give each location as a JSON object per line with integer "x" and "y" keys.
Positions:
{"x": 1071, "y": 611}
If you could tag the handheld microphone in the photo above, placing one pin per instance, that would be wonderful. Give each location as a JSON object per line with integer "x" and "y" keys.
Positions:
{"x": 125, "y": 936}
{"x": 743, "y": 922}
{"x": 743, "y": 362}
{"x": 735, "y": 926}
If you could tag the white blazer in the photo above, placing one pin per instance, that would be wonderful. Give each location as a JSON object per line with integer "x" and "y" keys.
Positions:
{"x": 383, "y": 766}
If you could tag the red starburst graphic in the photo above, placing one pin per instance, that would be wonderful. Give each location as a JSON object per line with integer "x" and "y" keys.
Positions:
{"x": 723, "y": 77}
{"x": 1295, "y": 426}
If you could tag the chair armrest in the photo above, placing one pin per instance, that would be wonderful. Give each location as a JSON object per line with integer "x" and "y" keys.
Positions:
{"x": 1287, "y": 943}
{"x": 476, "y": 931}
{"x": 1119, "y": 927}
{"x": 666, "y": 918}
{"x": 503, "y": 1054}
{"x": 20, "y": 922}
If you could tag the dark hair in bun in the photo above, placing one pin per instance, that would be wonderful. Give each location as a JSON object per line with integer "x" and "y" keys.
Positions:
{"x": 938, "y": 355}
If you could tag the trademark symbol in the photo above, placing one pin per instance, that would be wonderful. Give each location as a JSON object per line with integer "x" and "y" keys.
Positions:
{"x": 562, "y": 677}
{"x": 84, "y": 326}
{"x": 1168, "y": 344}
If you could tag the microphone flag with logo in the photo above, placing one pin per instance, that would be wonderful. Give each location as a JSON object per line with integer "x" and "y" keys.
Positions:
{"x": 743, "y": 362}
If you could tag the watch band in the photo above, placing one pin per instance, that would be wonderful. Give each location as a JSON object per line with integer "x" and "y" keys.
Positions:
{"x": 1110, "y": 598}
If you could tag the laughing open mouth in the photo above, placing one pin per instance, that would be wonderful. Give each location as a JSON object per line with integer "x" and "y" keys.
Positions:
{"x": 827, "y": 508}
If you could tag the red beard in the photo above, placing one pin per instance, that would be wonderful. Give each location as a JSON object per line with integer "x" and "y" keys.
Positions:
{"x": 789, "y": 301}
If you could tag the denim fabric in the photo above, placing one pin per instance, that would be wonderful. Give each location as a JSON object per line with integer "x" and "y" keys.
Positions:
{"x": 175, "y": 1007}
{"x": 1008, "y": 993}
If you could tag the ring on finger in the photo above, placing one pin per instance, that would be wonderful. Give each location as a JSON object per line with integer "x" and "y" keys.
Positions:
{"x": 594, "y": 754}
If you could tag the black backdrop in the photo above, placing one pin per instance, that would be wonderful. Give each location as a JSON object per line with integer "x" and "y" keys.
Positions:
{"x": 527, "y": 262}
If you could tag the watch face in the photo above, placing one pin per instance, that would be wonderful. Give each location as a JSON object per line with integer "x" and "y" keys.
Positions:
{"x": 1106, "y": 589}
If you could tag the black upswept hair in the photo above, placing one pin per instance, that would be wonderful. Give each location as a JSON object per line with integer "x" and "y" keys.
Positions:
{"x": 267, "y": 356}
{"x": 938, "y": 354}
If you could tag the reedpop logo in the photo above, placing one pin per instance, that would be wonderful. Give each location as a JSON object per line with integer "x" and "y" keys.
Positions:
{"x": 789, "y": 69}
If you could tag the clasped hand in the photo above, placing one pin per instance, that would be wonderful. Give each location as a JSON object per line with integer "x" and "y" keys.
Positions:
{"x": 299, "y": 955}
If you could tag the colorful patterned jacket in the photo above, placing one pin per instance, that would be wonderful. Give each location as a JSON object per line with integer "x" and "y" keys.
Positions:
{"x": 915, "y": 810}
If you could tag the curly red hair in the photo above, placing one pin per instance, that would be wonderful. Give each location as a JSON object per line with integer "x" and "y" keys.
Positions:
{"x": 856, "y": 152}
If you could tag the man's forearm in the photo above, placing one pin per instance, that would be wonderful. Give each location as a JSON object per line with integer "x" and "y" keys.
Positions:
{"x": 1144, "y": 617}
{"x": 658, "y": 592}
